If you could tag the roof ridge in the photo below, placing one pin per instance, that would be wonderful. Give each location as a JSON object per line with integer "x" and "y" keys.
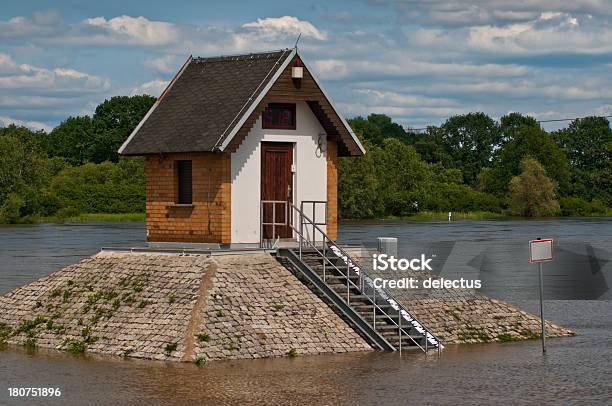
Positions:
{"x": 220, "y": 58}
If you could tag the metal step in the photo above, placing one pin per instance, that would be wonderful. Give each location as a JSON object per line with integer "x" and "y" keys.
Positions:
{"x": 362, "y": 304}
{"x": 382, "y": 326}
{"x": 342, "y": 288}
{"x": 368, "y": 316}
{"x": 371, "y": 306}
{"x": 364, "y": 327}
{"x": 356, "y": 297}
{"x": 332, "y": 277}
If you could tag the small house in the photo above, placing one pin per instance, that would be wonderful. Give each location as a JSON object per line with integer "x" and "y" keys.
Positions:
{"x": 233, "y": 144}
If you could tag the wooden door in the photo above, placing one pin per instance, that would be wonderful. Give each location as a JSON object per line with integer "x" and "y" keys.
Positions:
{"x": 276, "y": 184}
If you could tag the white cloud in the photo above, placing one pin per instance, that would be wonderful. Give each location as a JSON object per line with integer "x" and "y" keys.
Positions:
{"x": 152, "y": 88}
{"x": 262, "y": 34}
{"x": 493, "y": 12}
{"x": 125, "y": 30}
{"x": 332, "y": 68}
{"x": 41, "y": 23}
{"x": 550, "y": 32}
{"x": 402, "y": 99}
{"x": 163, "y": 64}
{"x": 285, "y": 26}
{"x": 542, "y": 115}
{"x": 547, "y": 33}
{"x": 128, "y": 30}
{"x": 358, "y": 108}
{"x": 53, "y": 80}
{"x": 30, "y": 102}
{"x": 47, "y": 28}
{"x": 400, "y": 65}
{"x": 7, "y": 64}
{"x": 33, "y": 125}
{"x": 605, "y": 110}
{"x": 28, "y": 77}
{"x": 517, "y": 89}
{"x": 455, "y": 56}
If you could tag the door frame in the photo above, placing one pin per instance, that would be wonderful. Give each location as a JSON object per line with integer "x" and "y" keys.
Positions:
{"x": 281, "y": 231}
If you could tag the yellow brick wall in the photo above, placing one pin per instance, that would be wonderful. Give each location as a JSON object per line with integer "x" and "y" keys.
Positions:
{"x": 209, "y": 219}
{"x": 332, "y": 189}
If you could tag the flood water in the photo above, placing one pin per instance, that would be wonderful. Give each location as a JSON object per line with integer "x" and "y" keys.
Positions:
{"x": 575, "y": 370}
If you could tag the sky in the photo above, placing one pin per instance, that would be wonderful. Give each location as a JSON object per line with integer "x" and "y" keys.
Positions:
{"x": 418, "y": 61}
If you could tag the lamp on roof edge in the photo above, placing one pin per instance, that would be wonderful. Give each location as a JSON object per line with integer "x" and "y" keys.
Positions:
{"x": 297, "y": 71}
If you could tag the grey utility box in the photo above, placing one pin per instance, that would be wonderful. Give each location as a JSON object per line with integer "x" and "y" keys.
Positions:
{"x": 387, "y": 245}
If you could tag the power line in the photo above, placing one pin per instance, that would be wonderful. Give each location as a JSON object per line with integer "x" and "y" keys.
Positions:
{"x": 569, "y": 119}
{"x": 555, "y": 120}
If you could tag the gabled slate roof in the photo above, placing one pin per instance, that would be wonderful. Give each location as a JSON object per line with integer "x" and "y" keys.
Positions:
{"x": 207, "y": 102}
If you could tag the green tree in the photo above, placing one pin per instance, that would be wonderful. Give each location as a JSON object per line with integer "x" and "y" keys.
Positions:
{"x": 587, "y": 142}
{"x": 404, "y": 178}
{"x": 390, "y": 180}
{"x": 114, "y": 120}
{"x": 527, "y": 141}
{"x": 377, "y": 127}
{"x": 512, "y": 123}
{"x": 34, "y": 141}
{"x": 532, "y": 193}
{"x": 74, "y": 140}
{"x": 102, "y": 188}
{"x": 601, "y": 179}
{"x": 358, "y": 185}
{"x": 23, "y": 171}
{"x": 429, "y": 147}
{"x": 470, "y": 140}
{"x": 393, "y": 180}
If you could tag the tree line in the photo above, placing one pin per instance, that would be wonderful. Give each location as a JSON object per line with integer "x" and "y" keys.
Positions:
{"x": 75, "y": 168}
{"x": 471, "y": 163}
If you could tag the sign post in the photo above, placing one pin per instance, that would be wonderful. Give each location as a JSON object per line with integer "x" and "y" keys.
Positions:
{"x": 543, "y": 332}
{"x": 541, "y": 251}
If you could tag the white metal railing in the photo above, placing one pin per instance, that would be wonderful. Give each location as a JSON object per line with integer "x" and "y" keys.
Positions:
{"x": 282, "y": 206}
{"x": 302, "y": 224}
{"x": 305, "y": 230}
{"x": 263, "y": 223}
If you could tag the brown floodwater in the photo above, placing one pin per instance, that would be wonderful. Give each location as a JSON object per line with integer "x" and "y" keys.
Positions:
{"x": 575, "y": 370}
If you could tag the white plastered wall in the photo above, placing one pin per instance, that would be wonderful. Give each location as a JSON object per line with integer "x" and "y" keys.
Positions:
{"x": 309, "y": 179}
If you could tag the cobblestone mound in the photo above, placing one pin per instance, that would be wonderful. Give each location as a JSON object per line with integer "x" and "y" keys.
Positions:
{"x": 173, "y": 307}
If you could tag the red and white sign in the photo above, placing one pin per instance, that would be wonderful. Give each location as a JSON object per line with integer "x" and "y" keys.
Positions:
{"x": 540, "y": 250}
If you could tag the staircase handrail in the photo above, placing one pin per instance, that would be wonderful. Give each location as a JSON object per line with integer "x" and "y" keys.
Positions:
{"x": 362, "y": 274}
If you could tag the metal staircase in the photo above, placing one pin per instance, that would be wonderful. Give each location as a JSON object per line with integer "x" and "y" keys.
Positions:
{"x": 337, "y": 277}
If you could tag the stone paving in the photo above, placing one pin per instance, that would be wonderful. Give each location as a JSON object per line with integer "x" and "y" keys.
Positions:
{"x": 173, "y": 307}
{"x": 262, "y": 310}
{"x": 199, "y": 308}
